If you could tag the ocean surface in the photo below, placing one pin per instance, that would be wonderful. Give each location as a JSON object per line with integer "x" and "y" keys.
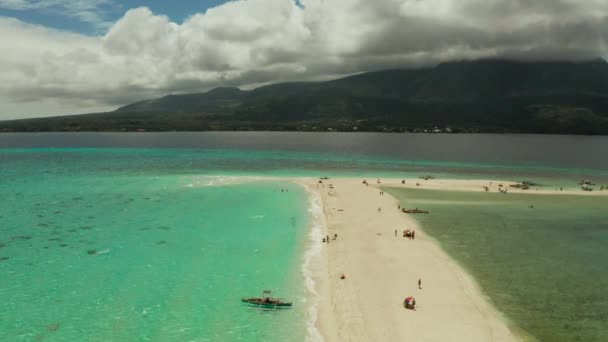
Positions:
{"x": 150, "y": 236}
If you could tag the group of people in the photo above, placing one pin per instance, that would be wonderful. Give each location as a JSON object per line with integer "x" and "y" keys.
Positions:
{"x": 326, "y": 238}
{"x": 411, "y": 234}
{"x": 410, "y": 303}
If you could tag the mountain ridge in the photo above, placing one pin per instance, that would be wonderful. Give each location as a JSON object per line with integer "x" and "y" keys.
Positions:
{"x": 473, "y": 96}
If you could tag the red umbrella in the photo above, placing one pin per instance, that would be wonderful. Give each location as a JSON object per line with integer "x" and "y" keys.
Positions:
{"x": 409, "y": 299}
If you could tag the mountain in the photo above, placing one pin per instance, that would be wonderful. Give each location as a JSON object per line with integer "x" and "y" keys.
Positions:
{"x": 472, "y": 96}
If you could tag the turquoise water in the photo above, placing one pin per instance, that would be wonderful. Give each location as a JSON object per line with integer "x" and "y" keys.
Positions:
{"x": 544, "y": 267}
{"x": 283, "y": 163}
{"x": 181, "y": 243}
{"x": 175, "y": 259}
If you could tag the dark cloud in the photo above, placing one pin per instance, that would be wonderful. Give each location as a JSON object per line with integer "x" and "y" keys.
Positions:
{"x": 245, "y": 43}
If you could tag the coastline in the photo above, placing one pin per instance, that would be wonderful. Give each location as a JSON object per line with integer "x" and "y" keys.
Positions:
{"x": 382, "y": 269}
{"x": 312, "y": 265}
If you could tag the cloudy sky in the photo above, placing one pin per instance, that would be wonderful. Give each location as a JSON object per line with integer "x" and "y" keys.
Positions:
{"x": 78, "y": 56}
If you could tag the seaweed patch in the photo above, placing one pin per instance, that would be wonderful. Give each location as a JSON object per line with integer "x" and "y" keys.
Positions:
{"x": 53, "y": 327}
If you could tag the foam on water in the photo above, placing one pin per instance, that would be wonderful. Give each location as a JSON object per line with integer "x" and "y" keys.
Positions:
{"x": 311, "y": 257}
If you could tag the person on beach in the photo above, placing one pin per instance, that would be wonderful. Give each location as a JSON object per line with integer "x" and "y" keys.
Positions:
{"x": 420, "y": 284}
{"x": 395, "y": 232}
{"x": 413, "y": 234}
{"x": 379, "y": 209}
{"x": 410, "y": 303}
{"x": 335, "y": 236}
{"x": 327, "y": 238}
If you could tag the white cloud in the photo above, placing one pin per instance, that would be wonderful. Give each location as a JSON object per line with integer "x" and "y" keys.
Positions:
{"x": 251, "y": 42}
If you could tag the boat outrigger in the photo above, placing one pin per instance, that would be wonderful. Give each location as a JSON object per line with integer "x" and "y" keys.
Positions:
{"x": 266, "y": 301}
{"x": 415, "y": 211}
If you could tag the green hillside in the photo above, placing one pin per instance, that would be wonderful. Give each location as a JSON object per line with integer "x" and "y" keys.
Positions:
{"x": 476, "y": 96}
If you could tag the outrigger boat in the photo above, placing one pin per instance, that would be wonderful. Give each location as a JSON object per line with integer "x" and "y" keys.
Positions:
{"x": 266, "y": 301}
{"x": 415, "y": 211}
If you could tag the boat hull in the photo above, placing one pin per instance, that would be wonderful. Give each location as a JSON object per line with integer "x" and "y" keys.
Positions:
{"x": 261, "y": 304}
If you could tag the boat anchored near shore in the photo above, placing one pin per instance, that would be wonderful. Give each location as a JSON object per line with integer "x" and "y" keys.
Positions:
{"x": 267, "y": 302}
{"x": 414, "y": 211}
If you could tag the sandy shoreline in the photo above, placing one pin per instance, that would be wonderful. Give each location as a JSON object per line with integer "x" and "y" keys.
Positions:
{"x": 381, "y": 270}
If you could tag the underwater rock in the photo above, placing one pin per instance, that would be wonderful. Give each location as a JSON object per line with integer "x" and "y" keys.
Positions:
{"x": 161, "y": 242}
{"x": 4, "y": 258}
{"x": 53, "y": 327}
{"x": 2, "y": 245}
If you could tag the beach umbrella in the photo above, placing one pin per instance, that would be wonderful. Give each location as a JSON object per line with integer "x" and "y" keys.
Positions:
{"x": 409, "y": 299}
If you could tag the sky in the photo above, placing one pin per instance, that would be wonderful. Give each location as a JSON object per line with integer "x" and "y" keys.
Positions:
{"x": 80, "y": 56}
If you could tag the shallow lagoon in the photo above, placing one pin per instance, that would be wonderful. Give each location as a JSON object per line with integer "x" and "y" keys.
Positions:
{"x": 99, "y": 258}
{"x": 544, "y": 267}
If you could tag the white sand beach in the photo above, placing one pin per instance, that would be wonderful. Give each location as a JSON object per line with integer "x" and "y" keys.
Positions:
{"x": 481, "y": 185}
{"x": 381, "y": 270}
